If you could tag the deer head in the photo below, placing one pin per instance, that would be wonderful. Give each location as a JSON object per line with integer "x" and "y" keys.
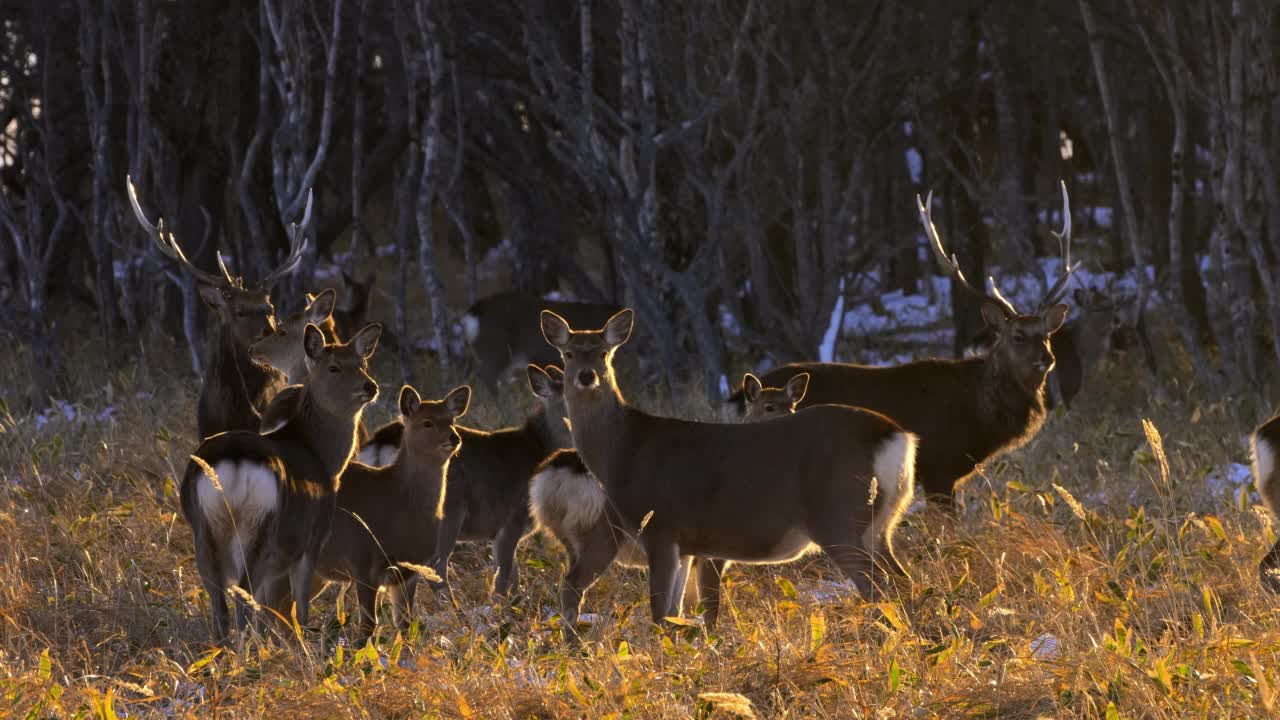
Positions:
{"x": 283, "y": 349}
{"x": 548, "y": 385}
{"x": 1020, "y": 348}
{"x": 337, "y": 377}
{"x": 763, "y": 403}
{"x": 588, "y": 354}
{"x": 244, "y": 311}
{"x": 429, "y": 424}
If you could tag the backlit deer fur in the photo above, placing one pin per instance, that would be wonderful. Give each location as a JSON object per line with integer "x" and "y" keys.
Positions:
{"x": 502, "y": 332}
{"x": 567, "y": 501}
{"x": 1266, "y": 441}
{"x": 832, "y": 478}
{"x": 488, "y": 496}
{"x": 389, "y": 515}
{"x": 964, "y": 411}
{"x": 235, "y": 389}
{"x": 265, "y": 510}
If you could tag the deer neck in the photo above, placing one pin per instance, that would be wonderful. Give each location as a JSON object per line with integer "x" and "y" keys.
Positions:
{"x": 331, "y": 438}
{"x": 415, "y": 472}
{"x": 1002, "y": 400}
{"x": 231, "y": 368}
{"x": 541, "y": 426}
{"x": 599, "y": 420}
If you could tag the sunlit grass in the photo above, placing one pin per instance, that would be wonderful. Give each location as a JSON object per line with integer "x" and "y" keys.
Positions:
{"x": 1087, "y": 577}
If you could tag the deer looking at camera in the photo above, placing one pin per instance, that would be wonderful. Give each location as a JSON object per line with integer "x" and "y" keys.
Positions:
{"x": 831, "y": 477}
{"x": 1266, "y": 441}
{"x": 260, "y": 505}
{"x": 235, "y": 389}
{"x": 964, "y": 411}
{"x": 389, "y": 515}
{"x": 567, "y": 501}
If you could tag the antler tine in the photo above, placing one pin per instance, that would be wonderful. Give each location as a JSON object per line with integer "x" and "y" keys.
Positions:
{"x": 165, "y": 240}
{"x": 1059, "y": 288}
{"x": 950, "y": 261}
{"x": 297, "y": 246}
{"x": 156, "y": 234}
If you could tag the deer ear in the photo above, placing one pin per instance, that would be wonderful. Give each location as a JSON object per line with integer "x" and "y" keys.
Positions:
{"x": 994, "y": 316}
{"x": 555, "y": 373}
{"x": 366, "y": 341}
{"x": 280, "y": 410}
{"x": 541, "y": 383}
{"x": 618, "y": 329}
{"x": 312, "y": 341}
{"x": 320, "y": 307}
{"x": 751, "y": 387}
{"x": 409, "y": 400}
{"x": 1054, "y": 317}
{"x": 213, "y": 296}
{"x": 796, "y": 387}
{"x": 555, "y": 330}
{"x": 458, "y": 400}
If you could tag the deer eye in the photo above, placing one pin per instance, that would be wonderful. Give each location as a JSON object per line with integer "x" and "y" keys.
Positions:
{"x": 428, "y": 424}
{"x": 334, "y": 369}
{"x": 568, "y": 354}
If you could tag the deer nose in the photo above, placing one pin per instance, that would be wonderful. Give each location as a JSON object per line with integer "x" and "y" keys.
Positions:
{"x": 454, "y": 440}
{"x": 586, "y": 378}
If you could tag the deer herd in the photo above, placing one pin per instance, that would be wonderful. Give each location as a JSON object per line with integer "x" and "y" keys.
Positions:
{"x": 288, "y": 491}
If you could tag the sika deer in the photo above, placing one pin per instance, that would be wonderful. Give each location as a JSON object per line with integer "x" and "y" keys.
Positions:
{"x": 235, "y": 389}
{"x": 964, "y": 411}
{"x": 567, "y": 501}
{"x": 488, "y": 496}
{"x": 1266, "y": 440}
{"x": 831, "y": 477}
{"x": 502, "y": 331}
{"x": 389, "y": 515}
{"x": 260, "y": 505}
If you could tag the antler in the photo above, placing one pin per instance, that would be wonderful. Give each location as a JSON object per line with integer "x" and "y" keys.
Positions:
{"x": 950, "y": 261}
{"x": 297, "y": 245}
{"x": 169, "y": 245}
{"x": 1059, "y": 288}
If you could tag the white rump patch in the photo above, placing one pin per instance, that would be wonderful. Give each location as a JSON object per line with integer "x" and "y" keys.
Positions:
{"x": 470, "y": 327}
{"x": 566, "y": 502}
{"x": 1264, "y": 464}
{"x": 250, "y": 491}
{"x": 894, "y": 464}
{"x": 378, "y": 455}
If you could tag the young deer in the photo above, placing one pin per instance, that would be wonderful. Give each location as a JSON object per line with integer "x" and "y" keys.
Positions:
{"x": 235, "y": 389}
{"x": 567, "y": 501}
{"x": 266, "y": 510}
{"x": 389, "y": 515}
{"x": 502, "y": 331}
{"x": 831, "y": 477}
{"x": 964, "y": 411}
{"x": 488, "y": 497}
{"x": 1266, "y": 440}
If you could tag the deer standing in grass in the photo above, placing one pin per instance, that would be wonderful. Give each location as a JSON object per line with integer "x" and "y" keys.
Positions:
{"x": 831, "y": 477}
{"x": 964, "y": 411}
{"x": 567, "y": 501}
{"x": 235, "y": 389}
{"x": 389, "y": 515}
{"x": 502, "y": 331}
{"x": 260, "y": 505}
{"x": 1266, "y": 441}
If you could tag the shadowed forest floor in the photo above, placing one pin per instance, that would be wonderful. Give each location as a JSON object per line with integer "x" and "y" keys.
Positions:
{"x": 1091, "y": 574}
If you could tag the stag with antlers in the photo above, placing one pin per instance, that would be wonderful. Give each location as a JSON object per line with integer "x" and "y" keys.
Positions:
{"x": 235, "y": 389}
{"x": 965, "y": 411}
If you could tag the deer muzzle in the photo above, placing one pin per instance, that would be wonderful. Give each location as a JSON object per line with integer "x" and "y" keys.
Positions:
{"x": 588, "y": 379}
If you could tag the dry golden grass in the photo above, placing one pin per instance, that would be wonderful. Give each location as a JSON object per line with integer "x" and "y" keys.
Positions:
{"x": 1138, "y": 600}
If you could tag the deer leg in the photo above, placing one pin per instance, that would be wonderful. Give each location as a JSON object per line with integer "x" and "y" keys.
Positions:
{"x": 300, "y": 582}
{"x": 446, "y": 539}
{"x": 710, "y": 571}
{"x": 664, "y": 565}
{"x": 402, "y": 600}
{"x": 504, "y": 554}
{"x": 211, "y": 579}
{"x": 596, "y": 552}
{"x": 367, "y": 597}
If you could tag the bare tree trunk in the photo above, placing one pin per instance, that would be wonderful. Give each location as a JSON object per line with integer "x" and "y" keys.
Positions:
{"x": 357, "y": 139}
